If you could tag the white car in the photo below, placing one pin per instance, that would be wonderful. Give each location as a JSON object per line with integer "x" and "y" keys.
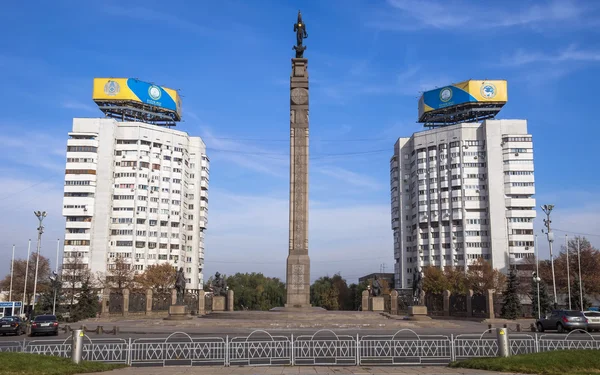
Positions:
{"x": 593, "y": 318}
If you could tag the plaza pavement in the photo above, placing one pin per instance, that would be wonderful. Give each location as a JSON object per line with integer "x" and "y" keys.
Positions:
{"x": 300, "y": 370}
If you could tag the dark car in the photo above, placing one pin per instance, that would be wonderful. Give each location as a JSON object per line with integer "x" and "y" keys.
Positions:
{"x": 13, "y": 325}
{"x": 47, "y": 324}
{"x": 562, "y": 321}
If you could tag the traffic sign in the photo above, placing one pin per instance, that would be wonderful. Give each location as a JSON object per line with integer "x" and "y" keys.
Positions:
{"x": 10, "y": 304}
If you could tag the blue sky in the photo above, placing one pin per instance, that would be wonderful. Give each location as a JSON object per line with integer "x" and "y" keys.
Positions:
{"x": 368, "y": 62}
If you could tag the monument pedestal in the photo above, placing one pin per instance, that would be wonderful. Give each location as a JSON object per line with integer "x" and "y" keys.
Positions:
{"x": 218, "y": 303}
{"x": 377, "y": 304}
{"x": 418, "y": 312}
{"x": 178, "y": 312}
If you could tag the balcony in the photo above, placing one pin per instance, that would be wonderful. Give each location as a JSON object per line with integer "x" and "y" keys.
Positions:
{"x": 520, "y": 202}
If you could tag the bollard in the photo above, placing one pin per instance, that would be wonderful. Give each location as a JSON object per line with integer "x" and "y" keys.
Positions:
{"x": 489, "y": 326}
{"x": 502, "y": 337}
{"x": 518, "y": 327}
{"x": 99, "y": 330}
{"x": 77, "y": 346}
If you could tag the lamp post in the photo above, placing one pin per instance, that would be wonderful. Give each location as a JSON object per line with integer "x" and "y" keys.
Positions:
{"x": 580, "y": 281}
{"x": 54, "y": 282}
{"x": 12, "y": 266}
{"x": 40, "y": 215}
{"x": 25, "y": 300}
{"x": 536, "y": 277}
{"x": 547, "y": 208}
{"x": 568, "y": 272}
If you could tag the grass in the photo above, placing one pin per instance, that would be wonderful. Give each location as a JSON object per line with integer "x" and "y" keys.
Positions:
{"x": 560, "y": 362}
{"x": 30, "y": 364}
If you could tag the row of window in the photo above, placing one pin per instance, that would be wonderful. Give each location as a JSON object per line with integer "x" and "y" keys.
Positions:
{"x": 82, "y": 149}
{"x": 80, "y": 160}
{"x": 517, "y": 139}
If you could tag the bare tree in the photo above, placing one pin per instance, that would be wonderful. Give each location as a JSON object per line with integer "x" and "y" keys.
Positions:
{"x": 74, "y": 273}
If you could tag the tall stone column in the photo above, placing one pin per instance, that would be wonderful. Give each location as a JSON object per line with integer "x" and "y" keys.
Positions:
{"x": 298, "y": 262}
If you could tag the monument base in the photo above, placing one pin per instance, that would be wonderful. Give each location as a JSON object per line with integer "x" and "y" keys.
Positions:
{"x": 178, "y": 312}
{"x": 418, "y": 312}
{"x": 298, "y": 309}
{"x": 218, "y": 303}
{"x": 377, "y": 304}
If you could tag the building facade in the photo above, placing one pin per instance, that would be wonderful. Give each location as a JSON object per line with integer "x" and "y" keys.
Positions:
{"x": 136, "y": 191}
{"x": 460, "y": 193}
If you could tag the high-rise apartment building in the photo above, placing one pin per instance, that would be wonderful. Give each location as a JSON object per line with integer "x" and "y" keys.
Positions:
{"x": 137, "y": 191}
{"x": 463, "y": 192}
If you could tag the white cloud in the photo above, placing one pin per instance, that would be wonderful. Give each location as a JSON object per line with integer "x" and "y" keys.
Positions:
{"x": 570, "y": 54}
{"x": 49, "y": 153}
{"x": 73, "y": 104}
{"x": 403, "y": 15}
{"x": 351, "y": 178}
{"x": 19, "y": 197}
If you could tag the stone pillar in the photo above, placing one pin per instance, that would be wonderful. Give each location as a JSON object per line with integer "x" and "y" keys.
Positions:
{"x": 394, "y": 302}
{"x": 148, "y": 301}
{"x": 229, "y": 300}
{"x": 365, "y": 300}
{"x": 446, "y": 296}
{"x": 470, "y": 304}
{"x": 105, "y": 302}
{"x": 298, "y": 262}
{"x": 125, "y": 302}
{"x": 201, "y": 301}
{"x": 174, "y": 297}
{"x": 489, "y": 303}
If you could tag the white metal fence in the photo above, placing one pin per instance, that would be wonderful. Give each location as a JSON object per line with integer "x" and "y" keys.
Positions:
{"x": 325, "y": 347}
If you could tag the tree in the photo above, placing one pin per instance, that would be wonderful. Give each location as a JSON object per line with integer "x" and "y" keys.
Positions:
{"x": 481, "y": 277}
{"x": 254, "y": 291}
{"x": 355, "y": 297}
{"x": 339, "y": 283}
{"x": 324, "y": 294}
{"x": 19, "y": 267}
{"x": 575, "y": 299}
{"x": 158, "y": 277}
{"x": 74, "y": 271}
{"x": 47, "y": 298}
{"x": 434, "y": 280}
{"x": 87, "y": 302}
{"x": 590, "y": 264}
{"x": 545, "y": 301}
{"x": 511, "y": 309}
{"x": 120, "y": 275}
{"x": 457, "y": 281}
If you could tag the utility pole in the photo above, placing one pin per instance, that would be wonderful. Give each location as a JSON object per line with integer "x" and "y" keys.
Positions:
{"x": 25, "y": 300}
{"x": 580, "y": 281}
{"x": 536, "y": 276}
{"x": 12, "y": 269}
{"x": 547, "y": 208}
{"x": 568, "y": 266}
{"x": 40, "y": 215}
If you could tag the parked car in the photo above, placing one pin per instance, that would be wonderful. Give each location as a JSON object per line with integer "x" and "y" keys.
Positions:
{"x": 593, "y": 318}
{"x": 562, "y": 321}
{"x": 47, "y": 324}
{"x": 12, "y": 324}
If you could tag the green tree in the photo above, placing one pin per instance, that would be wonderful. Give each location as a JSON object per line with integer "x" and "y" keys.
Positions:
{"x": 511, "y": 308}
{"x": 254, "y": 291}
{"x": 575, "y": 299}
{"x": 324, "y": 294}
{"x": 545, "y": 301}
{"x": 434, "y": 280}
{"x": 46, "y": 301}
{"x": 87, "y": 302}
{"x": 344, "y": 300}
{"x": 356, "y": 291}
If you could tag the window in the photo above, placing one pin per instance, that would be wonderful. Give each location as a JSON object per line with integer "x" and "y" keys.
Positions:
{"x": 82, "y": 149}
{"x": 80, "y": 171}
{"x": 78, "y": 183}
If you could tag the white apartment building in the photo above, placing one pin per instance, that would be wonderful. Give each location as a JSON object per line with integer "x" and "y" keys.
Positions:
{"x": 462, "y": 192}
{"x": 137, "y": 191}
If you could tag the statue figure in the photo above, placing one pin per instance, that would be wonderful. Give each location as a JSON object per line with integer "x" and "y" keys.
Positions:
{"x": 180, "y": 285}
{"x": 300, "y": 30}
{"x": 219, "y": 285}
{"x": 376, "y": 287}
{"x": 417, "y": 287}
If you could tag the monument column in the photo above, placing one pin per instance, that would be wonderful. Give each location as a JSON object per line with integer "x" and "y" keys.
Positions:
{"x": 298, "y": 262}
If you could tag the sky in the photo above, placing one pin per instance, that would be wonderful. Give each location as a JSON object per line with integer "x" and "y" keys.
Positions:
{"x": 369, "y": 60}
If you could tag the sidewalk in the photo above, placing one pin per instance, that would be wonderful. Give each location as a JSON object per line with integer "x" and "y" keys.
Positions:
{"x": 299, "y": 370}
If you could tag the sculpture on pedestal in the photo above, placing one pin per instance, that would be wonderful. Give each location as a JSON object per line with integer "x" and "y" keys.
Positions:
{"x": 376, "y": 287}
{"x": 417, "y": 286}
{"x": 300, "y": 30}
{"x": 219, "y": 286}
{"x": 180, "y": 285}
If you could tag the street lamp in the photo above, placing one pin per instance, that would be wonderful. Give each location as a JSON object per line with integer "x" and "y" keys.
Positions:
{"x": 537, "y": 280}
{"x": 547, "y": 208}
{"x": 40, "y": 215}
{"x": 54, "y": 282}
